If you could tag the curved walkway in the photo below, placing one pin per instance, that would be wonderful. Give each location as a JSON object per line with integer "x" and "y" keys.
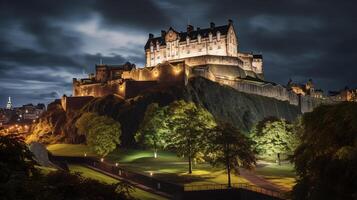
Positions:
{"x": 261, "y": 182}
{"x": 135, "y": 184}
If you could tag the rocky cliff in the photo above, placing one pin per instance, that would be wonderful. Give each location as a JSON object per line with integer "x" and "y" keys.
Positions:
{"x": 238, "y": 108}
{"x": 225, "y": 103}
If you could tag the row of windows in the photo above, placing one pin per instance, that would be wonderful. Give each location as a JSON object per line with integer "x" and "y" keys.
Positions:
{"x": 187, "y": 43}
{"x": 187, "y": 52}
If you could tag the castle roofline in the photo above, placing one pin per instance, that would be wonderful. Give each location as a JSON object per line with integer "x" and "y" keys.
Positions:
{"x": 192, "y": 34}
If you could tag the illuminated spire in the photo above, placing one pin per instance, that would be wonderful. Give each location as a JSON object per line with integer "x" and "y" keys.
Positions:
{"x": 9, "y": 104}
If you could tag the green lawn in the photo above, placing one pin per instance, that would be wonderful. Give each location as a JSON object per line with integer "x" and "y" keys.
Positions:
{"x": 282, "y": 175}
{"x": 89, "y": 173}
{"x": 70, "y": 150}
{"x": 171, "y": 168}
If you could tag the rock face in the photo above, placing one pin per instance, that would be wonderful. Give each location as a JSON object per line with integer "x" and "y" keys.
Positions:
{"x": 40, "y": 152}
{"x": 240, "y": 109}
{"x": 49, "y": 129}
{"x": 225, "y": 103}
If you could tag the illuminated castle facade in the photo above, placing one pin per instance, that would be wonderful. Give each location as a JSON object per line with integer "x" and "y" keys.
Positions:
{"x": 213, "y": 42}
{"x": 174, "y": 57}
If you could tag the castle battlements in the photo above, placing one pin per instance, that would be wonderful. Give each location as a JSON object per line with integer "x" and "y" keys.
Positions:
{"x": 212, "y": 53}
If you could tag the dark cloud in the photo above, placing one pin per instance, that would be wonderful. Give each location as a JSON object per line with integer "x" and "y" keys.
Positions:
{"x": 41, "y": 49}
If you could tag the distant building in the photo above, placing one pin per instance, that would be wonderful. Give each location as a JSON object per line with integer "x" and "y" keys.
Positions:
{"x": 307, "y": 89}
{"x": 9, "y": 104}
{"x": 30, "y": 112}
{"x": 344, "y": 95}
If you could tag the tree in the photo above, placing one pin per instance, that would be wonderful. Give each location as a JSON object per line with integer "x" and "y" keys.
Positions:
{"x": 103, "y": 135}
{"x": 16, "y": 159}
{"x": 187, "y": 124}
{"x": 84, "y": 123}
{"x": 153, "y": 128}
{"x": 274, "y": 137}
{"x": 227, "y": 146}
{"x": 326, "y": 159}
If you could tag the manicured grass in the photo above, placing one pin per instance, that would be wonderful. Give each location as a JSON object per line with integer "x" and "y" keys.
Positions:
{"x": 171, "y": 168}
{"x": 89, "y": 173}
{"x": 70, "y": 150}
{"x": 282, "y": 175}
{"x": 141, "y": 156}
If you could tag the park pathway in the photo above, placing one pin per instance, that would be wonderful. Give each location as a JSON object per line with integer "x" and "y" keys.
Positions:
{"x": 135, "y": 184}
{"x": 261, "y": 182}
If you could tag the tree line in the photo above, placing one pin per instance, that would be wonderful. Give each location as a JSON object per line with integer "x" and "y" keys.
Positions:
{"x": 321, "y": 144}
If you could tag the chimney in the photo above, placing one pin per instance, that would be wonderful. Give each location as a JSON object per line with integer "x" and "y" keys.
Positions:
{"x": 151, "y": 36}
{"x": 212, "y": 25}
{"x": 163, "y": 33}
{"x": 230, "y": 22}
{"x": 189, "y": 28}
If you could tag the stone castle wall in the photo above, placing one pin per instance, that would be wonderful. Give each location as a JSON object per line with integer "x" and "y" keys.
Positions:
{"x": 135, "y": 81}
{"x": 306, "y": 103}
{"x": 138, "y": 80}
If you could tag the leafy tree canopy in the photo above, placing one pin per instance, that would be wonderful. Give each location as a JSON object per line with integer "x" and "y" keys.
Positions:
{"x": 153, "y": 128}
{"x": 227, "y": 146}
{"x": 187, "y": 123}
{"x": 102, "y": 132}
{"x": 84, "y": 123}
{"x": 16, "y": 158}
{"x": 273, "y": 137}
{"x": 326, "y": 159}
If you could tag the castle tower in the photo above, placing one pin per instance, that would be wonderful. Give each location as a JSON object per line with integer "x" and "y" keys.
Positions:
{"x": 9, "y": 104}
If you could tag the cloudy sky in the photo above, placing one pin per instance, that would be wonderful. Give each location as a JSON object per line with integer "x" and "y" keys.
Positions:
{"x": 45, "y": 43}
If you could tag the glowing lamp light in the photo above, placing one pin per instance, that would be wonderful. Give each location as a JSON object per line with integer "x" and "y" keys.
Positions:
{"x": 116, "y": 164}
{"x": 151, "y": 173}
{"x": 177, "y": 70}
{"x": 85, "y": 154}
{"x": 102, "y": 160}
{"x": 156, "y": 73}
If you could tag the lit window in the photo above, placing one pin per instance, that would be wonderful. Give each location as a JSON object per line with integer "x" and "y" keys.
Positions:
{"x": 152, "y": 48}
{"x": 187, "y": 40}
{"x": 218, "y": 36}
{"x": 199, "y": 38}
{"x": 210, "y": 37}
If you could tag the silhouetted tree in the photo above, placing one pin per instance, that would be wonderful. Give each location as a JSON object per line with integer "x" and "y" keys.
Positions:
{"x": 326, "y": 159}
{"x": 227, "y": 146}
{"x": 15, "y": 158}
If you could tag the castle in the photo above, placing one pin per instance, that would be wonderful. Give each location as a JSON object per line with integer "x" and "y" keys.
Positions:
{"x": 173, "y": 57}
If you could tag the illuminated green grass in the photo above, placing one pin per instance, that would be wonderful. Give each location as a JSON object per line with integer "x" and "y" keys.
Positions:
{"x": 282, "y": 175}
{"x": 171, "y": 168}
{"x": 70, "y": 150}
{"x": 89, "y": 173}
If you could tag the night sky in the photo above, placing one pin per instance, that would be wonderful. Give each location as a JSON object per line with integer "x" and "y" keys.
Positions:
{"x": 45, "y": 43}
